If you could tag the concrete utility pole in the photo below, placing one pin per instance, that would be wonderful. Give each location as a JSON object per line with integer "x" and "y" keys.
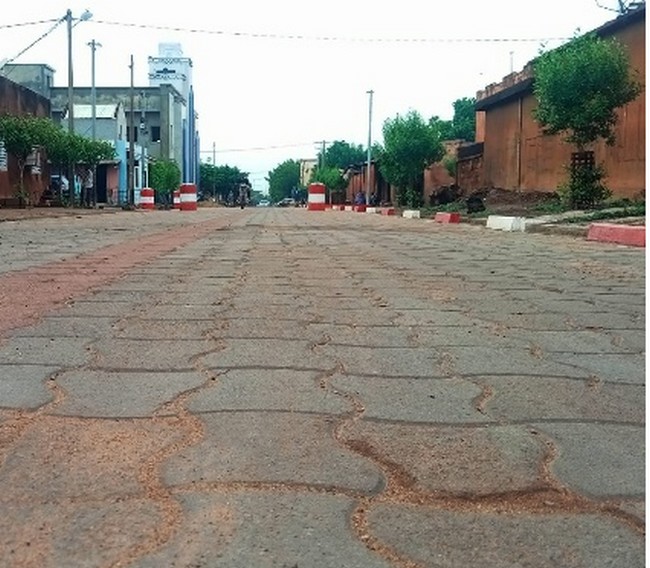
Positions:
{"x": 68, "y": 18}
{"x": 131, "y": 166}
{"x": 93, "y": 93}
{"x": 370, "y": 93}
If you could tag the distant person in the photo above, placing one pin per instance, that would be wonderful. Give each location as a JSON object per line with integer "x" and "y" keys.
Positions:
{"x": 360, "y": 198}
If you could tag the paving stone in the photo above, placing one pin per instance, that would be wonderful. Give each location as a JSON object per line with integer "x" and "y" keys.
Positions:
{"x": 432, "y": 317}
{"x": 447, "y": 539}
{"x": 414, "y": 400}
{"x": 384, "y": 361}
{"x": 145, "y": 354}
{"x": 539, "y": 398}
{"x": 362, "y": 336}
{"x": 483, "y": 360}
{"x": 578, "y": 341}
{"x": 137, "y": 328}
{"x": 260, "y": 328}
{"x": 599, "y": 459}
{"x": 268, "y": 389}
{"x": 69, "y": 458}
{"x": 60, "y": 351}
{"x": 92, "y": 308}
{"x": 625, "y": 368}
{"x": 354, "y": 317}
{"x": 286, "y": 448}
{"x": 122, "y": 394}
{"x": 268, "y": 353}
{"x": 476, "y": 460}
{"x": 84, "y": 535}
{"x": 23, "y": 386}
{"x": 86, "y": 327}
{"x": 244, "y": 529}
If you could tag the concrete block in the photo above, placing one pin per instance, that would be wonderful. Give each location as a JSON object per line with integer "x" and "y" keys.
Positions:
{"x": 506, "y": 223}
{"x": 371, "y": 210}
{"x": 387, "y": 211}
{"x": 631, "y": 235}
{"x": 411, "y": 214}
{"x": 441, "y": 217}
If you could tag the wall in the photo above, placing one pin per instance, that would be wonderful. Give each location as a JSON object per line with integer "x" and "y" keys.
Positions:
{"x": 18, "y": 100}
{"x": 517, "y": 156}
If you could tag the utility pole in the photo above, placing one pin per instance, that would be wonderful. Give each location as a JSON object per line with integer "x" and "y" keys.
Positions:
{"x": 93, "y": 93}
{"x": 93, "y": 98}
{"x": 68, "y": 18}
{"x": 131, "y": 166}
{"x": 370, "y": 93}
{"x": 214, "y": 172}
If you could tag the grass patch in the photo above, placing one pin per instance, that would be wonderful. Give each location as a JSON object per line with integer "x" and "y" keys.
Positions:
{"x": 635, "y": 210}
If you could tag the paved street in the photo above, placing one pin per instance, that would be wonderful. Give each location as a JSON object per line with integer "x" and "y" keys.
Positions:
{"x": 293, "y": 389}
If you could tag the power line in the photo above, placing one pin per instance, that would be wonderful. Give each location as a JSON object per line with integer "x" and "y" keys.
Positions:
{"x": 23, "y": 24}
{"x": 41, "y": 37}
{"x": 262, "y": 35}
{"x": 258, "y": 148}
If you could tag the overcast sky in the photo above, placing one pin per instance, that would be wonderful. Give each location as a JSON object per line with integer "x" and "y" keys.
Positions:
{"x": 268, "y": 86}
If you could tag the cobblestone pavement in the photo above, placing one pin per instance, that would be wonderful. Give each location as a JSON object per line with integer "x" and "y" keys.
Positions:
{"x": 285, "y": 388}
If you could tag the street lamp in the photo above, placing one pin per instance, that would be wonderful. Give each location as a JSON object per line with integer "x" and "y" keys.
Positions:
{"x": 68, "y": 17}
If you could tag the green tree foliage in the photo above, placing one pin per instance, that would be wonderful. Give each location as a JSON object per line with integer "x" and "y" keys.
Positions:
{"x": 283, "y": 179}
{"x": 21, "y": 136}
{"x": 410, "y": 145}
{"x": 219, "y": 181}
{"x": 580, "y": 85}
{"x": 579, "y": 88}
{"x": 341, "y": 154}
{"x": 331, "y": 177}
{"x": 165, "y": 176}
{"x": 464, "y": 121}
{"x": 463, "y": 124}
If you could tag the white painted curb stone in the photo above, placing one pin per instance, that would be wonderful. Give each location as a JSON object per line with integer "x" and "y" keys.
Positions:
{"x": 502, "y": 223}
{"x": 411, "y": 214}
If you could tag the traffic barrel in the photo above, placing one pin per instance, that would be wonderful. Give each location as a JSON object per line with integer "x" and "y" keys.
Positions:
{"x": 188, "y": 197}
{"x": 147, "y": 198}
{"x": 316, "y": 197}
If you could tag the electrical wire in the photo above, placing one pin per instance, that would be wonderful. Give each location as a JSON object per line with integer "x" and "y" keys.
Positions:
{"x": 260, "y": 35}
{"x": 41, "y": 37}
{"x": 23, "y": 24}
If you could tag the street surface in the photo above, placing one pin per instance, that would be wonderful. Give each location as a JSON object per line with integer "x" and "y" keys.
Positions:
{"x": 293, "y": 389}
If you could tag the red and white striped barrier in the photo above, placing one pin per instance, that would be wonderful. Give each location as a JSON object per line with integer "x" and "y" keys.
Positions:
{"x": 177, "y": 199}
{"x": 316, "y": 197}
{"x": 147, "y": 198}
{"x": 188, "y": 197}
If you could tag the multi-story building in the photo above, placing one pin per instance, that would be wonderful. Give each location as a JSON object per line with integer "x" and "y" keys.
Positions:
{"x": 170, "y": 67}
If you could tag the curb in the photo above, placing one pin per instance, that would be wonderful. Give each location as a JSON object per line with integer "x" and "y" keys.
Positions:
{"x": 630, "y": 235}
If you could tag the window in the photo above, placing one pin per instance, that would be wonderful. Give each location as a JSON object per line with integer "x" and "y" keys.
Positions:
{"x": 155, "y": 133}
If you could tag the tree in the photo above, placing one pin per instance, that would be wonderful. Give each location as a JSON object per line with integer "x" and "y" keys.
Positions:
{"x": 221, "y": 180}
{"x": 341, "y": 154}
{"x": 579, "y": 87}
{"x": 284, "y": 179}
{"x": 410, "y": 145}
{"x": 463, "y": 124}
{"x": 165, "y": 177}
{"x": 331, "y": 177}
{"x": 21, "y": 136}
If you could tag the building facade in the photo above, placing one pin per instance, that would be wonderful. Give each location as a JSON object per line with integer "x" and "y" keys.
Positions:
{"x": 518, "y": 156}
{"x": 16, "y": 99}
{"x": 171, "y": 67}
